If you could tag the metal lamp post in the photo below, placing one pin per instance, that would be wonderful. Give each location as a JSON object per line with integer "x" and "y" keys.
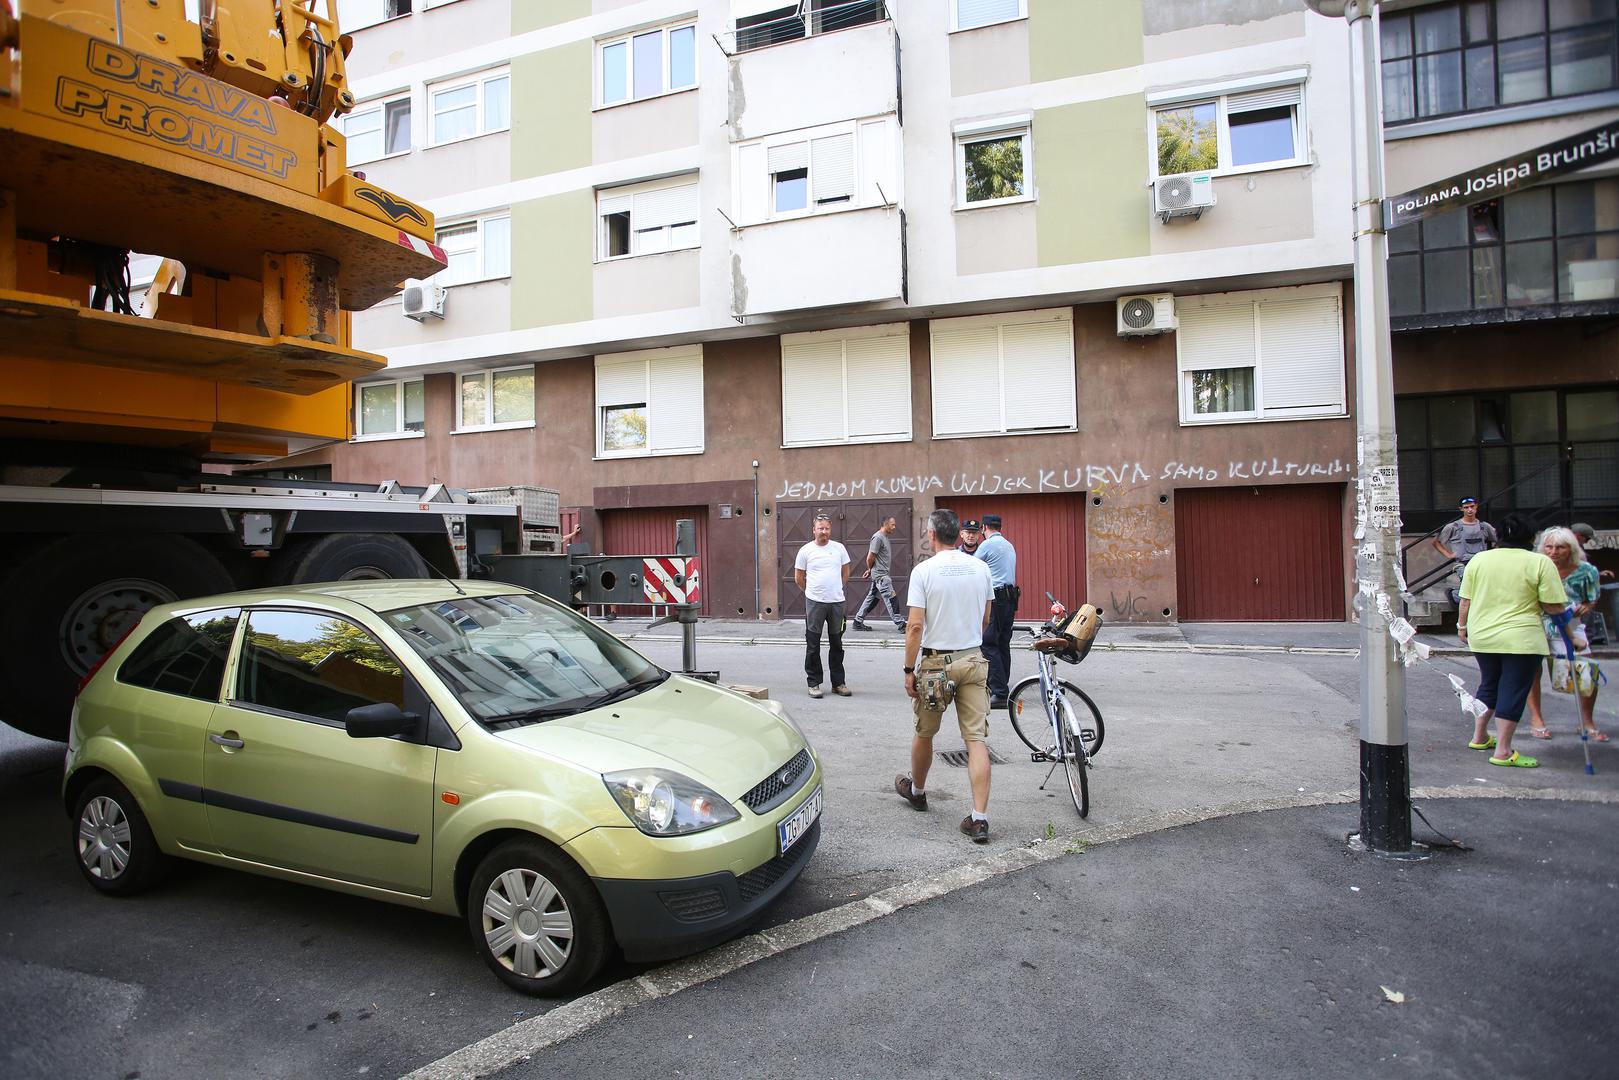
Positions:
{"x": 1385, "y": 774}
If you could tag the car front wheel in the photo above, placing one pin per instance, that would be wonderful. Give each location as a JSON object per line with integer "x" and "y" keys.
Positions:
{"x": 116, "y": 850}
{"x": 536, "y": 919}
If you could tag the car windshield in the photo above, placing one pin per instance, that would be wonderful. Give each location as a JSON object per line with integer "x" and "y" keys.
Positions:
{"x": 518, "y": 659}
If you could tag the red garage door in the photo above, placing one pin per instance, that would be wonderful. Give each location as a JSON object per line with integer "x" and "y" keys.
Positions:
{"x": 1260, "y": 554}
{"x": 1048, "y": 532}
{"x": 651, "y": 531}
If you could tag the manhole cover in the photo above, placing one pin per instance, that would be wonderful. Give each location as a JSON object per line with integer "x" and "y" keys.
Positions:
{"x": 957, "y": 759}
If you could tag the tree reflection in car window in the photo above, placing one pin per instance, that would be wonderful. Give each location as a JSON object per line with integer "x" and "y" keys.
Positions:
{"x": 315, "y": 665}
{"x": 184, "y": 656}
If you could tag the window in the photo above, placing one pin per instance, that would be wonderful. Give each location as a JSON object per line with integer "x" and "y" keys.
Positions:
{"x": 359, "y": 14}
{"x": 1535, "y": 249}
{"x": 503, "y": 398}
{"x": 1477, "y": 55}
{"x": 841, "y": 386}
{"x": 378, "y": 129}
{"x": 972, "y": 13}
{"x": 477, "y": 250}
{"x": 993, "y": 165}
{"x": 837, "y": 167}
{"x": 1233, "y": 132}
{"x": 314, "y": 665}
{"x": 1268, "y": 355}
{"x": 393, "y": 408}
{"x": 778, "y": 22}
{"x": 184, "y": 656}
{"x": 995, "y": 374}
{"x": 647, "y": 64}
{"x": 649, "y": 403}
{"x": 644, "y": 219}
{"x": 469, "y": 107}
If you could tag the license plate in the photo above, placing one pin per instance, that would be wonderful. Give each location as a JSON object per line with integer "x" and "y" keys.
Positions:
{"x": 792, "y": 830}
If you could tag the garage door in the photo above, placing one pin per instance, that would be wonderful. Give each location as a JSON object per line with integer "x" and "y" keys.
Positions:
{"x": 1048, "y": 532}
{"x": 853, "y": 522}
{"x": 651, "y": 531}
{"x": 1266, "y": 554}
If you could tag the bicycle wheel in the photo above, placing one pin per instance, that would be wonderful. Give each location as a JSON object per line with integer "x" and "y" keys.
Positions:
{"x": 1074, "y": 760}
{"x": 1028, "y": 715}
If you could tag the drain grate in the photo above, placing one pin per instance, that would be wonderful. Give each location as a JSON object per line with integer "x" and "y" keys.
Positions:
{"x": 957, "y": 759}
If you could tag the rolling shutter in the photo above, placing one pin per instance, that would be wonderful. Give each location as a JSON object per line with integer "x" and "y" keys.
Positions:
{"x": 1274, "y": 98}
{"x": 665, "y": 206}
{"x": 788, "y": 156}
{"x": 1037, "y": 375}
{"x": 832, "y": 167}
{"x": 620, "y": 383}
{"x": 966, "y": 398}
{"x": 1216, "y": 337}
{"x": 811, "y": 390}
{"x": 879, "y": 385}
{"x": 675, "y": 420}
{"x": 970, "y": 13}
{"x": 1302, "y": 356}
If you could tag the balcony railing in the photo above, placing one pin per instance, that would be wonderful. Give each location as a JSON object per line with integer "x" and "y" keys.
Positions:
{"x": 790, "y": 22}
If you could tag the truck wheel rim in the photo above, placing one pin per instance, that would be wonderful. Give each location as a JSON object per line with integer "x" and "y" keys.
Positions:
{"x": 366, "y": 573}
{"x": 103, "y": 614}
{"x": 527, "y": 924}
{"x": 104, "y": 838}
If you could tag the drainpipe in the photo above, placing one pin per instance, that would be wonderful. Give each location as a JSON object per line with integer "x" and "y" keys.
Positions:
{"x": 758, "y": 611}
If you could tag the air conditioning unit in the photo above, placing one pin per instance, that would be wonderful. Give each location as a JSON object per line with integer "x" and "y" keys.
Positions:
{"x": 422, "y": 300}
{"x": 1187, "y": 195}
{"x": 1146, "y": 314}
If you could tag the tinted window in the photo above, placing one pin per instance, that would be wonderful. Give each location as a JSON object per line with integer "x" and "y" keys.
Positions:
{"x": 184, "y": 656}
{"x": 315, "y": 665}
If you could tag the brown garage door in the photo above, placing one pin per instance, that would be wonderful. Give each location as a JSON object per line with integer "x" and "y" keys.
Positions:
{"x": 852, "y": 525}
{"x": 1048, "y": 532}
{"x": 1260, "y": 554}
{"x": 651, "y": 531}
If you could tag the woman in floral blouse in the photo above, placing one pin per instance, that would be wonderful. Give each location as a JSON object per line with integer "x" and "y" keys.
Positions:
{"x": 1582, "y": 583}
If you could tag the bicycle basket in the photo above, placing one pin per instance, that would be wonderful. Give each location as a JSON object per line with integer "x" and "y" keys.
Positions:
{"x": 1081, "y": 628}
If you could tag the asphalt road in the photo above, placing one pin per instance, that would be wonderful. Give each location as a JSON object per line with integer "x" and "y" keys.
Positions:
{"x": 219, "y": 973}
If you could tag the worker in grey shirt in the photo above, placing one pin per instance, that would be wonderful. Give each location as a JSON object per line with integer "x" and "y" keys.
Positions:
{"x": 1464, "y": 538}
{"x": 879, "y": 561}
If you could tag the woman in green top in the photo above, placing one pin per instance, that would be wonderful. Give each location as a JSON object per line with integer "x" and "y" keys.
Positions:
{"x": 1583, "y": 585}
{"x": 1504, "y": 591}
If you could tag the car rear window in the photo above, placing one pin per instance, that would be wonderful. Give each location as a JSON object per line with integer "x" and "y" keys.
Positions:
{"x": 184, "y": 656}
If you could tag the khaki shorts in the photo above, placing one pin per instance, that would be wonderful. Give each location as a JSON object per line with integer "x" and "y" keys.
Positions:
{"x": 969, "y": 670}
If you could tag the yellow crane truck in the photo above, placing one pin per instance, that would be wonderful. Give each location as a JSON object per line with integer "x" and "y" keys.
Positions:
{"x": 204, "y": 138}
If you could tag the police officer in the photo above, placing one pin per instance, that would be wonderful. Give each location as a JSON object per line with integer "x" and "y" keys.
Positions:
{"x": 997, "y": 551}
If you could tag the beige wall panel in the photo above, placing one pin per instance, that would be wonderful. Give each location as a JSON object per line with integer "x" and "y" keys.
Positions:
{"x": 441, "y": 171}
{"x": 647, "y": 283}
{"x": 1411, "y": 163}
{"x": 989, "y": 58}
{"x": 1202, "y": 40}
{"x": 483, "y": 307}
{"x": 996, "y": 238}
{"x": 1259, "y": 208}
{"x": 427, "y": 35}
{"x": 644, "y": 127}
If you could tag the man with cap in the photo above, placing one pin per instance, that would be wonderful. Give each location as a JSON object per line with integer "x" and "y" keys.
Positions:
{"x": 1586, "y": 534}
{"x": 1001, "y": 557}
{"x": 1465, "y": 537}
{"x": 972, "y": 534}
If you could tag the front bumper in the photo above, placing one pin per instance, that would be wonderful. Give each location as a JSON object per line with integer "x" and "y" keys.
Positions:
{"x": 656, "y": 920}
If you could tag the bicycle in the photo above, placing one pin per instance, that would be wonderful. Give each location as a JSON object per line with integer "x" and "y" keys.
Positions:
{"x": 1062, "y": 738}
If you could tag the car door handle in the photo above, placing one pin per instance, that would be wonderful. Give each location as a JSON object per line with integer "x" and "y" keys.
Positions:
{"x": 234, "y": 744}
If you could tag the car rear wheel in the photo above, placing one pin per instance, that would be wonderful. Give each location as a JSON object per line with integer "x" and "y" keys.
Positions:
{"x": 536, "y": 919}
{"x": 115, "y": 849}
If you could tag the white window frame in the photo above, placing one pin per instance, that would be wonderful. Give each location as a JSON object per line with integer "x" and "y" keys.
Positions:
{"x": 647, "y": 188}
{"x": 863, "y": 187}
{"x": 380, "y": 105}
{"x": 399, "y": 431}
{"x": 1186, "y": 367}
{"x": 1219, "y": 96}
{"x": 650, "y": 358}
{"x": 627, "y": 39}
{"x": 955, "y": 17}
{"x": 346, "y": 28}
{"x": 996, "y": 378}
{"x": 479, "y": 246}
{"x": 900, "y": 403}
{"x": 480, "y": 79}
{"x": 490, "y": 424}
{"x": 992, "y": 131}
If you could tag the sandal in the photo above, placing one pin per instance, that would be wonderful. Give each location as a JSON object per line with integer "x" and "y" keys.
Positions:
{"x": 1517, "y": 760}
{"x": 1541, "y": 732}
{"x": 1487, "y": 744}
{"x": 1594, "y": 734}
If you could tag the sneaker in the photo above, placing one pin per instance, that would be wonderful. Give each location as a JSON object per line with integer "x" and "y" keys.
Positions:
{"x": 978, "y": 830}
{"x": 815, "y": 691}
{"x": 902, "y": 784}
{"x": 858, "y": 625}
{"x": 842, "y": 691}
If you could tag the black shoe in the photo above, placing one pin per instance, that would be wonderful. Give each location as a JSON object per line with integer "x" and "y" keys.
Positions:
{"x": 902, "y": 784}
{"x": 997, "y": 703}
{"x": 859, "y": 625}
{"x": 978, "y": 830}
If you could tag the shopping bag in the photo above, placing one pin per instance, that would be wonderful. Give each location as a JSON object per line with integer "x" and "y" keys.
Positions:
{"x": 1581, "y": 675}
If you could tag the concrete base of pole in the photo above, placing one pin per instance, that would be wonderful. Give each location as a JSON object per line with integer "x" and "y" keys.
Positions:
{"x": 1385, "y": 797}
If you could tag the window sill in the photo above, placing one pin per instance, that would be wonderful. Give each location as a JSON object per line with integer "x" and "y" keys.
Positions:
{"x": 620, "y": 455}
{"x": 515, "y": 425}
{"x": 862, "y": 441}
{"x": 1240, "y": 170}
{"x": 800, "y": 215}
{"x": 993, "y": 203}
{"x": 1215, "y": 421}
{"x": 467, "y": 138}
{"x": 605, "y": 259}
{"x": 389, "y": 436}
{"x": 385, "y": 157}
{"x": 1507, "y": 114}
{"x": 985, "y": 26}
{"x": 1008, "y": 434}
{"x": 650, "y": 97}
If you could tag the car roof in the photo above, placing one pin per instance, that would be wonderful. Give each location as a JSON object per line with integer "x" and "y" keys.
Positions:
{"x": 377, "y": 595}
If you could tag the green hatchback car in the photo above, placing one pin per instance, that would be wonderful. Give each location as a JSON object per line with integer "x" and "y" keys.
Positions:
{"x": 470, "y": 748}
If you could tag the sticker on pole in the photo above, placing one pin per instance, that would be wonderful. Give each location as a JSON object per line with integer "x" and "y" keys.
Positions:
{"x": 670, "y": 579}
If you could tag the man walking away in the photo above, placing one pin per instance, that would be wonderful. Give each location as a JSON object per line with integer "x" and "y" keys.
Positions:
{"x": 821, "y": 570}
{"x": 1000, "y": 556}
{"x": 1464, "y": 538}
{"x": 879, "y": 563}
{"x": 949, "y": 598}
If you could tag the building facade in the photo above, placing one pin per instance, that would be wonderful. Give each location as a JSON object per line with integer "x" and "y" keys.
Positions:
{"x": 747, "y": 260}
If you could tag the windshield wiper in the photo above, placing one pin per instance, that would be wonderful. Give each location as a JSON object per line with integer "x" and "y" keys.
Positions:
{"x": 539, "y": 715}
{"x": 630, "y": 689}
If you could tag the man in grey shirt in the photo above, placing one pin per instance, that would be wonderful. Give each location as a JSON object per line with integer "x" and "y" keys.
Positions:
{"x": 879, "y": 561}
{"x": 1464, "y": 538}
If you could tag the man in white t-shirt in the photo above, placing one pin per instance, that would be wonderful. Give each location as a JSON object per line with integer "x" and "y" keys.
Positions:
{"x": 949, "y": 597}
{"x": 821, "y": 569}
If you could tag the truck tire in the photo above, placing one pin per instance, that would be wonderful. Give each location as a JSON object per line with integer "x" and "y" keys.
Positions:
{"x": 72, "y": 600}
{"x": 349, "y": 557}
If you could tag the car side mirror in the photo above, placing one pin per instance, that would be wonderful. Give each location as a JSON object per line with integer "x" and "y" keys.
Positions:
{"x": 380, "y": 721}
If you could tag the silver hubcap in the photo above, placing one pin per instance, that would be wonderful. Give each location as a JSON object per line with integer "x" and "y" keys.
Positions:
{"x": 527, "y": 924}
{"x": 102, "y": 615}
{"x": 104, "y": 838}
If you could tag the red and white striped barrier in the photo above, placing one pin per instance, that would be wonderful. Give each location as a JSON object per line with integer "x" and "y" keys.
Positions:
{"x": 671, "y": 579}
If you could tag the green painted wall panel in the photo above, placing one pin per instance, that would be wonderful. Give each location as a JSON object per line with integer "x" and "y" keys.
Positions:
{"x": 553, "y": 249}
{"x": 1090, "y": 165}
{"x": 551, "y": 110}
{"x": 1078, "y": 37}
{"x": 536, "y": 14}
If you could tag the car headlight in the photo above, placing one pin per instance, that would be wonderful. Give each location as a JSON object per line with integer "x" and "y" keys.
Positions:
{"x": 665, "y": 803}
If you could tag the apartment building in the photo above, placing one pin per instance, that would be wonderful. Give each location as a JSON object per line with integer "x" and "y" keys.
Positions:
{"x": 1082, "y": 263}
